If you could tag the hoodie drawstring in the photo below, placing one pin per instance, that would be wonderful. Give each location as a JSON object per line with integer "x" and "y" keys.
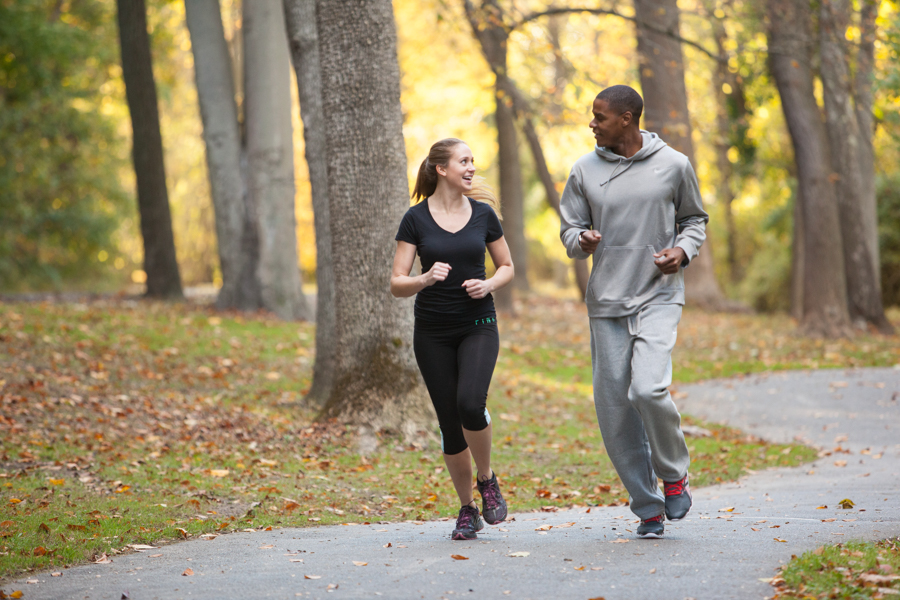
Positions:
{"x": 614, "y": 174}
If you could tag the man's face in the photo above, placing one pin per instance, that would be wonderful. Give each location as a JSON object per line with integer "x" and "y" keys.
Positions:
{"x": 608, "y": 125}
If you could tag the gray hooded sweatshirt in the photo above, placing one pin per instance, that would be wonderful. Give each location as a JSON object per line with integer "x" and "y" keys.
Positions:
{"x": 640, "y": 205}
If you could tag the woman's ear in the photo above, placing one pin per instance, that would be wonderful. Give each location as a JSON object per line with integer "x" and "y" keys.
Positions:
{"x": 440, "y": 170}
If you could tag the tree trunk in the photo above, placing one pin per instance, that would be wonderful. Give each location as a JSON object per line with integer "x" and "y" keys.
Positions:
{"x": 824, "y": 282}
{"x": 859, "y": 222}
{"x": 665, "y": 112}
{"x": 267, "y": 114}
{"x": 160, "y": 264}
{"x": 376, "y": 382}
{"x": 492, "y": 35}
{"x": 540, "y": 164}
{"x": 300, "y": 16}
{"x": 218, "y": 111}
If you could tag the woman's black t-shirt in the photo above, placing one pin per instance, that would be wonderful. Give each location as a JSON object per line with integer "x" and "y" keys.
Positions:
{"x": 447, "y": 302}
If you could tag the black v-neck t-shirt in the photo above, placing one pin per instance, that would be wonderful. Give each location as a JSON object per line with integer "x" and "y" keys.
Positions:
{"x": 447, "y": 302}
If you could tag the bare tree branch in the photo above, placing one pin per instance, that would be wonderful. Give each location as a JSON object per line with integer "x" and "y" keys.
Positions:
{"x": 606, "y": 11}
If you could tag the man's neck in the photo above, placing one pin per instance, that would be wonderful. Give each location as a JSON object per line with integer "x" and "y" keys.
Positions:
{"x": 630, "y": 144}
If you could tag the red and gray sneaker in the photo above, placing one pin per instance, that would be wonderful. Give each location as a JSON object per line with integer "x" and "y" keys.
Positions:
{"x": 493, "y": 504}
{"x": 678, "y": 499}
{"x": 651, "y": 528}
{"x": 468, "y": 524}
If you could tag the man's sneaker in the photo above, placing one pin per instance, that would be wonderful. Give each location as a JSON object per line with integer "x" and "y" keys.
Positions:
{"x": 651, "y": 528}
{"x": 468, "y": 524}
{"x": 493, "y": 504}
{"x": 678, "y": 499}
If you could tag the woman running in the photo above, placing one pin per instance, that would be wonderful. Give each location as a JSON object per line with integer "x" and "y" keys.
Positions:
{"x": 456, "y": 341}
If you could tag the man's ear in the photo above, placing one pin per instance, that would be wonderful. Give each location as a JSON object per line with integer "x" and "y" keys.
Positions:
{"x": 627, "y": 118}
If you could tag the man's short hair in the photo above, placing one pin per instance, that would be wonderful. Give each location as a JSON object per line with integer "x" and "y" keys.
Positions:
{"x": 622, "y": 98}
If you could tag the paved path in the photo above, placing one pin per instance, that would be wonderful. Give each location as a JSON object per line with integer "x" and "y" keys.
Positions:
{"x": 711, "y": 554}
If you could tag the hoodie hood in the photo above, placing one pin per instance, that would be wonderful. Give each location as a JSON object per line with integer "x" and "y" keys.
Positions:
{"x": 651, "y": 144}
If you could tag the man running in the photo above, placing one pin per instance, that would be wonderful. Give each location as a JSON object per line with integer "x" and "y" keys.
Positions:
{"x": 634, "y": 204}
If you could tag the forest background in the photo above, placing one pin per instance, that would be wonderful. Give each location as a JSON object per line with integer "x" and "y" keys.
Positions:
{"x": 68, "y": 203}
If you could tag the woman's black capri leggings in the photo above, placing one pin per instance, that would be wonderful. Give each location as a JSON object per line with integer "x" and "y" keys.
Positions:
{"x": 457, "y": 363}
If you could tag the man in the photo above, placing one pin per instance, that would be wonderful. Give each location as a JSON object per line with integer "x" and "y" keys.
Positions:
{"x": 634, "y": 204}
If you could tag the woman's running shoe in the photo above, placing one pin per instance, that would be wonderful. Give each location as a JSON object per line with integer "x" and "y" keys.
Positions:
{"x": 493, "y": 506}
{"x": 468, "y": 524}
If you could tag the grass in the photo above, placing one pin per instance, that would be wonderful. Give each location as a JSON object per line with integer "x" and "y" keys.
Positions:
{"x": 850, "y": 571}
{"x": 142, "y": 423}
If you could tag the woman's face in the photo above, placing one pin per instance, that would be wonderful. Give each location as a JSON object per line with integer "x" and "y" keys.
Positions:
{"x": 460, "y": 169}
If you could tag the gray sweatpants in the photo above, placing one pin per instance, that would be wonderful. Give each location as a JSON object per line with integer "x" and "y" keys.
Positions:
{"x": 641, "y": 428}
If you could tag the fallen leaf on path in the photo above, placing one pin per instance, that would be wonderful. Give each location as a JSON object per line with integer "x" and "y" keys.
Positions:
{"x": 388, "y": 545}
{"x": 459, "y": 557}
{"x": 312, "y": 577}
{"x": 16, "y": 594}
{"x": 596, "y": 568}
{"x": 142, "y": 547}
{"x": 187, "y": 572}
{"x": 57, "y": 574}
{"x": 564, "y": 525}
{"x": 155, "y": 555}
{"x": 359, "y": 563}
{"x": 840, "y": 463}
{"x": 779, "y": 540}
{"x": 727, "y": 509}
{"x": 847, "y": 503}
{"x": 754, "y": 529}
{"x": 267, "y": 546}
{"x": 544, "y": 528}
{"x": 579, "y": 568}
{"x": 619, "y": 541}
{"x": 519, "y": 554}
{"x": 297, "y": 560}
{"x": 653, "y": 570}
{"x": 829, "y": 520}
{"x": 823, "y": 506}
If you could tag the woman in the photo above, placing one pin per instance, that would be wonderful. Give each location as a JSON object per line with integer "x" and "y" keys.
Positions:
{"x": 456, "y": 340}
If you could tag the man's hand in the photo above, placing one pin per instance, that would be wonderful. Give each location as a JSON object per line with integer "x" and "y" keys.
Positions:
{"x": 669, "y": 260}
{"x": 588, "y": 240}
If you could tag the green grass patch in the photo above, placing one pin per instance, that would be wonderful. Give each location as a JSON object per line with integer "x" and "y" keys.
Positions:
{"x": 849, "y": 571}
{"x": 146, "y": 423}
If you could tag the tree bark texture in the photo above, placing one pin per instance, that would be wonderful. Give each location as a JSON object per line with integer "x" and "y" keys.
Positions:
{"x": 300, "y": 16}
{"x": 267, "y": 114}
{"x": 160, "y": 263}
{"x": 492, "y": 35}
{"x": 218, "y": 111}
{"x": 824, "y": 282}
{"x": 376, "y": 381}
{"x": 858, "y": 218}
{"x": 661, "y": 67}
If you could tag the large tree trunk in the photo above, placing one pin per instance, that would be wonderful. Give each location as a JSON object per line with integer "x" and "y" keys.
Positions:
{"x": 376, "y": 382}
{"x": 824, "y": 283}
{"x": 267, "y": 114}
{"x": 666, "y": 112}
{"x": 160, "y": 264}
{"x": 859, "y": 222}
{"x": 301, "y": 23}
{"x": 492, "y": 35}
{"x": 218, "y": 111}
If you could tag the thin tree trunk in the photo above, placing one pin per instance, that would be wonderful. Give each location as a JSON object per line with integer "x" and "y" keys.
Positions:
{"x": 218, "y": 111}
{"x": 540, "y": 163}
{"x": 267, "y": 113}
{"x": 824, "y": 282}
{"x": 797, "y": 262}
{"x": 488, "y": 28}
{"x": 376, "y": 382}
{"x": 665, "y": 112}
{"x": 848, "y": 153}
{"x": 300, "y": 16}
{"x": 160, "y": 263}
